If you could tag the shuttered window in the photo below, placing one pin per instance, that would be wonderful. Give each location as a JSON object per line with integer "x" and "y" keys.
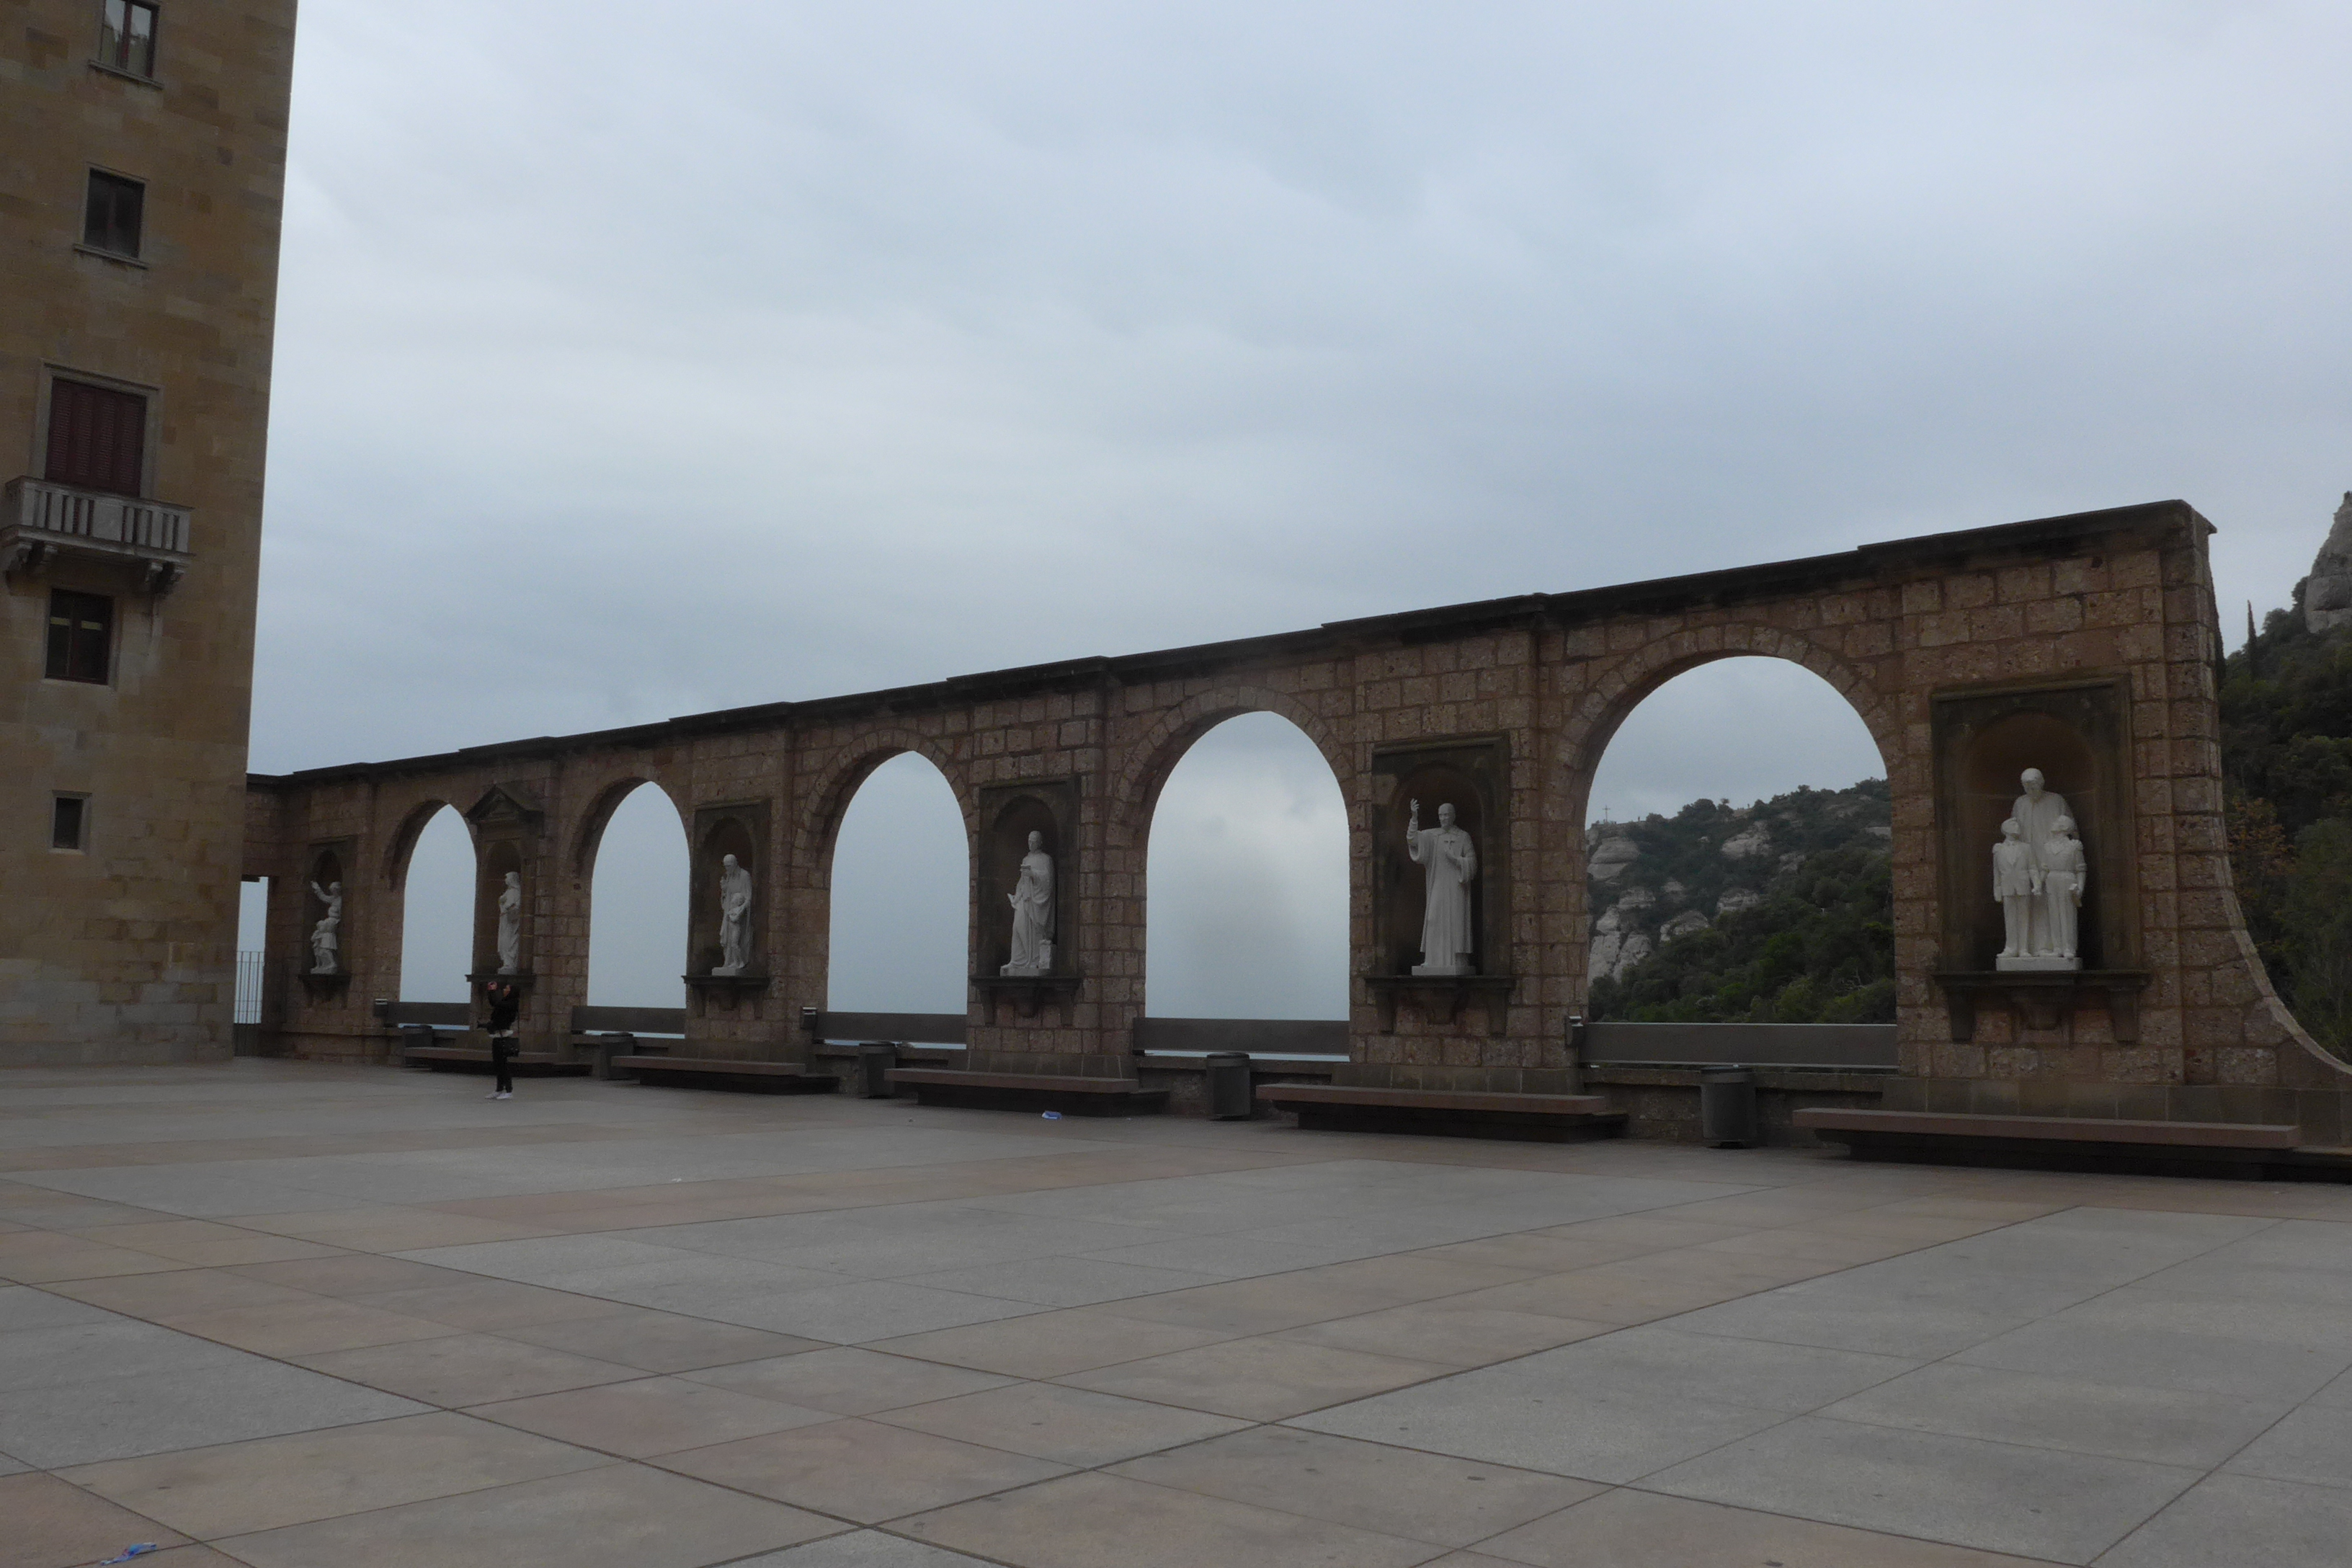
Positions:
{"x": 98, "y": 437}
{"x": 81, "y": 635}
{"x": 113, "y": 215}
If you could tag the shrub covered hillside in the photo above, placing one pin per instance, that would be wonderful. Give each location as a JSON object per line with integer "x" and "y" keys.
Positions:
{"x": 2286, "y": 757}
{"x": 1774, "y": 913}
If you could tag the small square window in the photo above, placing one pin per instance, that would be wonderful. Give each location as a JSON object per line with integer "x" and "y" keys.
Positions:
{"x": 110, "y": 218}
{"x": 126, "y": 37}
{"x": 70, "y": 823}
{"x": 81, "y": 635}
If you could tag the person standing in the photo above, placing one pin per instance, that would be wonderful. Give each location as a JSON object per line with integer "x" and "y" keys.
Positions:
{"x": 505, "y": 1003}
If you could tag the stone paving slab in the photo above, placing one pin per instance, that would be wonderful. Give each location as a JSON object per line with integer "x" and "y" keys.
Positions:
{"x": 276, "y": 1313}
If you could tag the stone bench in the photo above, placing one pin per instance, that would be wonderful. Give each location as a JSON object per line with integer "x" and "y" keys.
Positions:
{"x": 602, "y": 1049}
{"x": 466, "y": 1058}
{"x": 2242, "y": 1150}
{"x": 742, "y": 1075}
{"x": 1030, "y": 1091}
{"x": 1528, "y": 1118}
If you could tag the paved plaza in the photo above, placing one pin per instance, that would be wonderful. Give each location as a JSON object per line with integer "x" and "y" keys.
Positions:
{"x": 304, "y": 1316}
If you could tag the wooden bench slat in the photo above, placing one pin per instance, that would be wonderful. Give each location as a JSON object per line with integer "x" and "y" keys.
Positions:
{"x": 1057, "y": 1083}
{"x": 1433, "y": 1098}
{"x": 2052, "y": 1128}
{"x": 1061, "y": 1094}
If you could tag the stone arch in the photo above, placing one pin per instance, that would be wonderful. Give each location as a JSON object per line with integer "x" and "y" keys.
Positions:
{"x": 1154, "y": 757}
{"x": 389, "y": 915}
{"x": 820, "y": 825}
{"x": 1626, "y": 681}
{"x": 402, "y": 842}
{"x": 602, "y": 805}
{"x": 1622, "y": 684}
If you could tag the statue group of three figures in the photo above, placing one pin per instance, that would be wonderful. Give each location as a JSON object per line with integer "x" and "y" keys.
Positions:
{"x": 2039, "y": 875}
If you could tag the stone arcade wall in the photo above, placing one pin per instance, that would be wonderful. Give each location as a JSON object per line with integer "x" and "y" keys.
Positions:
{"x": 1512, "y": 700}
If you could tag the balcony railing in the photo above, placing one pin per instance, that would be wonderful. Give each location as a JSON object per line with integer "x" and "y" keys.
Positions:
{"x": 41, "y": 519}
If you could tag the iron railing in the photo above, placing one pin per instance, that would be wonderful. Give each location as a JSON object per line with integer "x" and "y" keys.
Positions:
{"x": 248, "y": 988}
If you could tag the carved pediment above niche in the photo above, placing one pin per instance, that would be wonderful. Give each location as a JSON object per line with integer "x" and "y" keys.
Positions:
{"x": 506, "y": 806}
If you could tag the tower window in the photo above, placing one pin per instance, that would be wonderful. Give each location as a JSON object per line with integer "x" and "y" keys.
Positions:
{"x": 98, "y": 437}
{"x": 110, "y": 219}
{"x": 126, "y": 37}
{"x": 81, "y": 633}
{"x": 70, "y": 823}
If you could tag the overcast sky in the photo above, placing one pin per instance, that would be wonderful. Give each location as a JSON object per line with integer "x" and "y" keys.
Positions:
{"x": 628, "y": 370}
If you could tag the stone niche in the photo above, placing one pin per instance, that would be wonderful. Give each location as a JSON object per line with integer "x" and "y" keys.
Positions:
{"x": 738, "y": 829}
{"x": 506, "y": 825}
{"x": 2078, "y": 735}
{"x": 1471, "y": 774}
{"x": 1008, "y": 815}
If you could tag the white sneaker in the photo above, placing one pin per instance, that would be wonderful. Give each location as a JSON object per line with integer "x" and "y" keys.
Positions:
{"x": 494, "y": 1094}
{"x": 505, "y": 1094}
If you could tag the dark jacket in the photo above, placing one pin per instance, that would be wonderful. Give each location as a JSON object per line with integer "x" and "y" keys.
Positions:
{"x": 502, "y": 1012}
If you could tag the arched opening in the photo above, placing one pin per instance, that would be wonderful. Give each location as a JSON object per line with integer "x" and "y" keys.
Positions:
{"x": 1737, "y": 836}
{"x": 436, "y": 922}
{"x": 901, "y": 887}
{"x": 1247, "y": 879}
{"x": 638, "y": 905}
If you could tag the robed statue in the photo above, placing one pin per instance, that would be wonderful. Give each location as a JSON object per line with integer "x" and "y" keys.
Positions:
{"x": 1448, "y": 861}
{"x": 325, "y": 935}
{"x": 734, "y": 916}
{"x": 510, "y": 925}
{"x": 1033, "y": 912}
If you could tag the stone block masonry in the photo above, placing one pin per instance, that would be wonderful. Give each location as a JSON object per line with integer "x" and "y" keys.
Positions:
{"x": 2184, "y": 1027}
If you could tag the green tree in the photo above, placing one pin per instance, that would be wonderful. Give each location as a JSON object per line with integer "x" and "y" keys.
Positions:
{"x": 1819, "y": 949}
{"x": 2316, "y": 915}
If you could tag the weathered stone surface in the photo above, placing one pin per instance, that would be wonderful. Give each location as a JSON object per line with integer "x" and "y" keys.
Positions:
{"x": 2327, "y": 592}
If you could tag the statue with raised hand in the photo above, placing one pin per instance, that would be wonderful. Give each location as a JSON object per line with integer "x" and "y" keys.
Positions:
{"x": 1448, "y": 861}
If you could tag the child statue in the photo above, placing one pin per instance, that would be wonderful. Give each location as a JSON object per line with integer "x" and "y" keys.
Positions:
{"x": 2065, "y": 874}
{"x": 2015, "y": 882}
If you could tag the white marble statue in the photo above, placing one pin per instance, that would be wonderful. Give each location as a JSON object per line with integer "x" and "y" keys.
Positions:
{"x": 2065, "y": 874}
{"x": 1033, "y": 912}
{"x": 734, "y": 916}
{"x": 510, "y": 925}
{"x": 2014, "y": 884}
{"x": 324, "y": 936}
{"x": 1448, "y": 861}
{"x": 2037, "y": 811}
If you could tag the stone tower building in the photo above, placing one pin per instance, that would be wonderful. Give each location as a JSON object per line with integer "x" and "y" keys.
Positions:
{"x": 142, "y": 158}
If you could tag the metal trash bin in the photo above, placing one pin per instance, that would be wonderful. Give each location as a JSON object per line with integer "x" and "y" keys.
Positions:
{"x": 875, "y": 1061}
{"x": 1726, "y": 1107}
{"x": 606, "y": 1044}
{"x": 1228, "y": 1075}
